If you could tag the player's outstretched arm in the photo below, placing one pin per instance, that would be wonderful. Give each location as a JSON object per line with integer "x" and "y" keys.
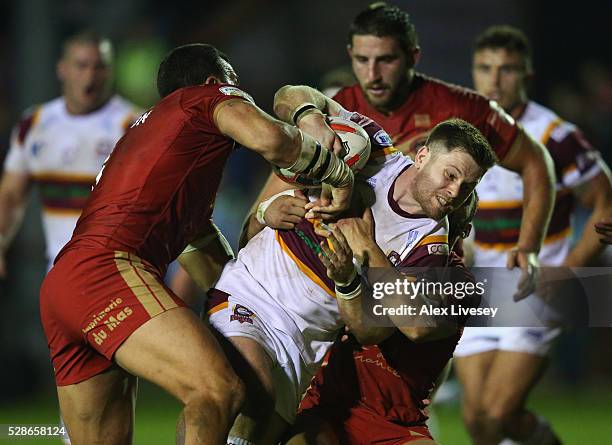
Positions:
{"x": 13, "y": 198}
{"x": 533, "y": 162}
{"x": 285, "y": 146}
{"x": 596, "y": 194}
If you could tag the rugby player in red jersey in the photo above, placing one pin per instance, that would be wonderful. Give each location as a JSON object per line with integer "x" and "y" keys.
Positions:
{"x": 383, "y": 47}
{"x": 105, "y": 311}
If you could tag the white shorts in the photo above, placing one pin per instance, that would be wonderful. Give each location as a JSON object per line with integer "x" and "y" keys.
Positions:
{"x": 291, "y": 375}
{"x": 532, "y": 340}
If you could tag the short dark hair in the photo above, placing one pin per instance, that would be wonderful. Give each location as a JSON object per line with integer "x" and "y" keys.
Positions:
{"x": 459, "y": 219}
{"x": 457, "y": 134}
{"x": 189, "y": 65}
{"x": 382, "y": 20}
{"x": 505, "y": 37}
{"x": 88, "y": 37}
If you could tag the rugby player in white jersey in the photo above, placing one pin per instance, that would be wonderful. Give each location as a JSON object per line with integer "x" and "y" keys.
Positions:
{"x": 276, "y": 303}
{"x": 498, "y": 366}
{"x": 60, "y": 145}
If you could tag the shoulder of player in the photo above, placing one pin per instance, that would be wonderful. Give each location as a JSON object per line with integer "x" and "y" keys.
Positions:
{"x": 347, "y": 96}
{"x": 447, "y": 90}
{"x": 29, "y": 119}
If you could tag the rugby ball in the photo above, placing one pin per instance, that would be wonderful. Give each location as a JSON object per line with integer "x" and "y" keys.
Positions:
{"x": 355, "y": 152}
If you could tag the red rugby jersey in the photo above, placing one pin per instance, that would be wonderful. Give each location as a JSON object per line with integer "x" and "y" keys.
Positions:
{"x": 159, "y": 184}
{"x": 430, "y": 102}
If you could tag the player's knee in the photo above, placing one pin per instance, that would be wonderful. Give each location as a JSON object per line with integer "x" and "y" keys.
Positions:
{"x": 226, "y": 392}
{"x": 498, "y": 415}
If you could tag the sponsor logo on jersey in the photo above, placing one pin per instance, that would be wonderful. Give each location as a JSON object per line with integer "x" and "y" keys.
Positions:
{"x": 36, "y": 147}
{"x": 437, "y": 249}
{"x": 411, "y": 238}
{"x": 382, "y": 138}
{"x": 422, "y": 121}
{"x": 233, "y": 91}
{"x": 242, "y": 314}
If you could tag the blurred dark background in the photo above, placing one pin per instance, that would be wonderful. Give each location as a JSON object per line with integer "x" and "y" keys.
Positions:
{"x": 272, "y": 43}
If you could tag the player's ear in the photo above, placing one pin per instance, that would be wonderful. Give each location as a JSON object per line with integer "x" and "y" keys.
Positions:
{"x": 349, "y": 50}
{"x": 421, "y": 156}
{"x": 212, "y": 80}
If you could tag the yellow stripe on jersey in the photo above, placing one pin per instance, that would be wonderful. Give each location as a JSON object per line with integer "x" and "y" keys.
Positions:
{"x": 546, "y": 136}
{"x": 218, "y": 307}
{"x": 433, "y": 239}
{"x": 52, "y": 211}
{"x": 385, "y": 152}
{"x": 500, "y": 204}
{"x": 63, "y": 177}
{"x": 303, "y": 267}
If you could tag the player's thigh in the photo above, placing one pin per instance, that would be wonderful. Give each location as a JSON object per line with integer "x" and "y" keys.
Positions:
{"x": 472, "y": 371}
{"x": 510, "y": 378}
{"x": 252, "y": 363}
{"x": 100, "y": 409}
{"x": 176, "y": 351}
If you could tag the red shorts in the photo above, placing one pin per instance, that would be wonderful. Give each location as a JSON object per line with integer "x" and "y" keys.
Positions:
{"x": 90, "y": 303}
{"x": 360, "y": 426}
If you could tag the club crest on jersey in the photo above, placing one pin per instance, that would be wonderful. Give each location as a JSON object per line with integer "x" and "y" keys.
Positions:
{"x": 382, "y": 138}
{"x": 242, "y": 314}
{"x": 422, "y": 121}
{"x": 233, "y": 91}
{"x": 394, "y": 257}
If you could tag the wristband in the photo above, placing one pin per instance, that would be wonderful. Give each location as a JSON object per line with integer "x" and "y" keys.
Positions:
{"x": 301, "y": 110}
{"x": 263, "y": 206}
{"x": 350, "y": 290}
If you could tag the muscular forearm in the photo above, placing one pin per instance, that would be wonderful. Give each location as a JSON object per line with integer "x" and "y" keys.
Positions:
{"x": 588, "y": 247}
{"x": 11, "y": 215}
{"x": 290, "y": 97}
{"x": 536, "y": 167}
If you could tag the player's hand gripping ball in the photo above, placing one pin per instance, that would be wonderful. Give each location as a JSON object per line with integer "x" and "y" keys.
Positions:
{"x": 355, "y": 151}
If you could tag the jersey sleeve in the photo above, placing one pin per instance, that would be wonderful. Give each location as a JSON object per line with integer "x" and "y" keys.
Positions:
{"x": 213, "y": 95}
{"x": 576, "y": 161}
{"x": 496, "y": 125}
{"x": 16, "y": 160}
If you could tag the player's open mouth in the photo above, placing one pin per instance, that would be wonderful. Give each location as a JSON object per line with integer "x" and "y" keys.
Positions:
{"x": 377, "y": 91}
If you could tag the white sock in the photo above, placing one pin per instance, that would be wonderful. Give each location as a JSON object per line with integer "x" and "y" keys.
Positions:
{"x": 233, "y": 440}
{"x": 507, "y": 441}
